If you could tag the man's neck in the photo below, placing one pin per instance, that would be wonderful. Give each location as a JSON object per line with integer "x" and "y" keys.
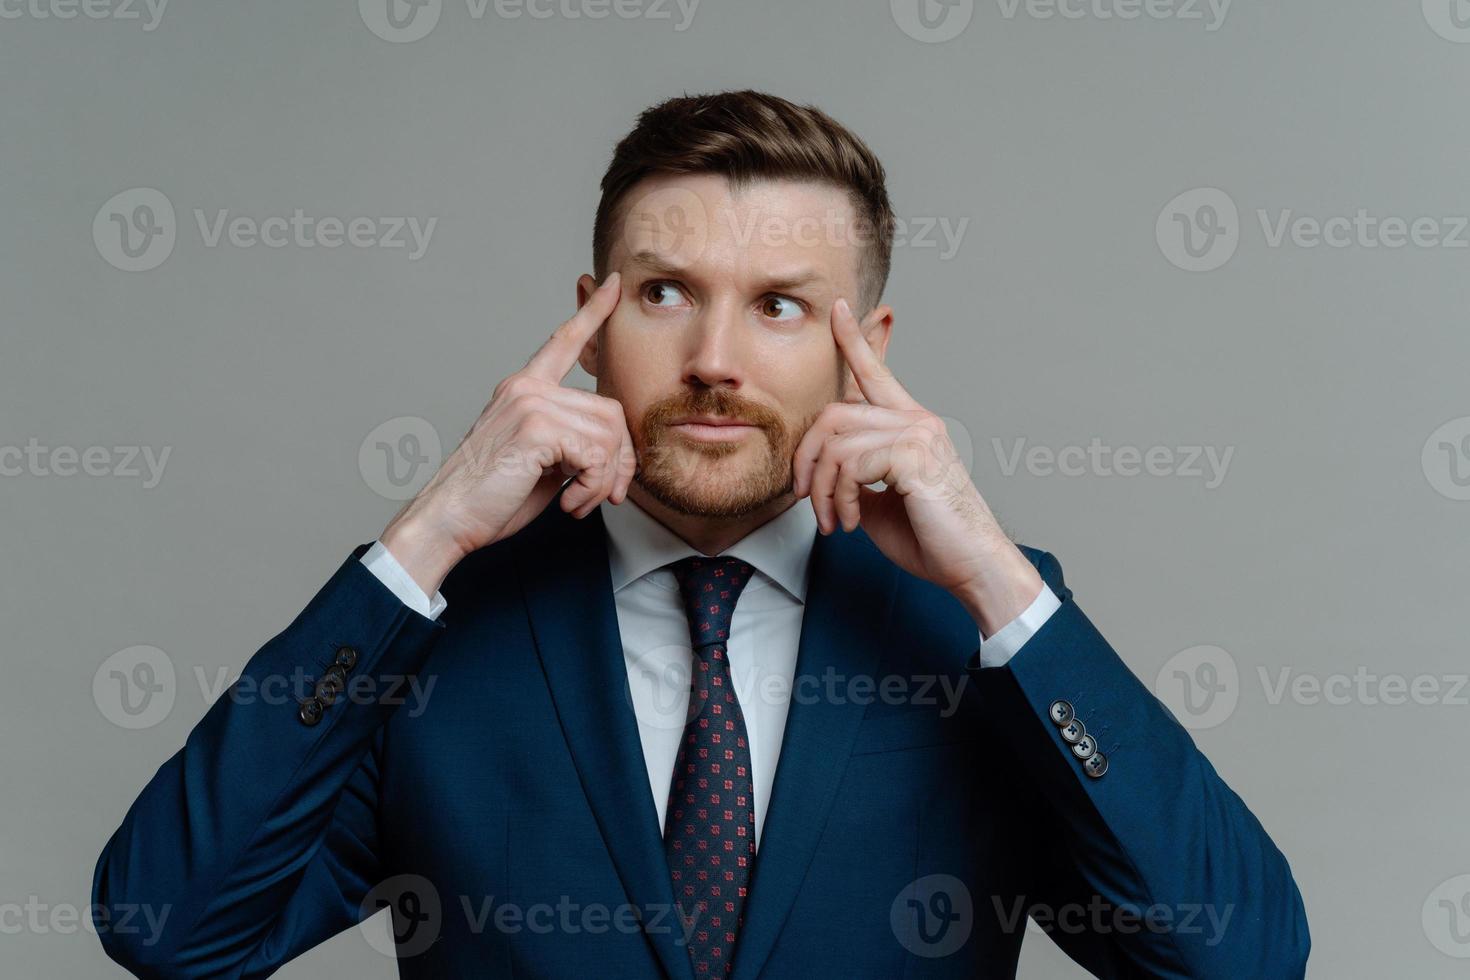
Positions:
{"x": 707, "y": 535}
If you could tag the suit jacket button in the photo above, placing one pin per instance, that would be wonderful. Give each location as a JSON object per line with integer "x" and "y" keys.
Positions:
{"x": 346, "y": 658}
{"x": 1085, "y": 748}
{"x": 330, "y": 685}
{"x": 311, "y": 711}
{"x": 338, "y": 672}
{"x": 1062, "y": 713}
{"x": 1096, "y": 766}
{"x": 1074, "y": 731}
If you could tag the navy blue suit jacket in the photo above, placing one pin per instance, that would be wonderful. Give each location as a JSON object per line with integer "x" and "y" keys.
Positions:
{"x": 508, "y": 821}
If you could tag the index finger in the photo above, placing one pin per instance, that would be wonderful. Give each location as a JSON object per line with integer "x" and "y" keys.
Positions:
{"x": 878, "y": 384}
{"x": 557, "y": 356}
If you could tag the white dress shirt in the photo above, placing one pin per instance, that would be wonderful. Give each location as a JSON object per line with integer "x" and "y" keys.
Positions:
{"x": 764, "y": 632}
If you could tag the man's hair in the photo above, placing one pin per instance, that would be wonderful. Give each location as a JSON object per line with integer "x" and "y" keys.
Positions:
{"x": 745, "y": 136}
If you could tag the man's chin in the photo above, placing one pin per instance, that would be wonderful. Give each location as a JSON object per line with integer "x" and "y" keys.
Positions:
{"x": 702, "y": 496}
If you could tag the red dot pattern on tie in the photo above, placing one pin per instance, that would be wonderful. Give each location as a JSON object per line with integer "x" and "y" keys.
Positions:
{"x": 709, "y": 827}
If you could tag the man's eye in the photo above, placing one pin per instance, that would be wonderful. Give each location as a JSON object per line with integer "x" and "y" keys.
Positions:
{"x": 781, "y": 308}
{"x": 663, "y": 294}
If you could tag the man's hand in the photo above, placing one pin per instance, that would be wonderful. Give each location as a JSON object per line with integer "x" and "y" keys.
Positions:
{"x": 532, "y": 435}
{"x": 930, "y": 520}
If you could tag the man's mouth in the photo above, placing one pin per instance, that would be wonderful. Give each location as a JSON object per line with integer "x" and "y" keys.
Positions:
{"x": 711, "y": 428}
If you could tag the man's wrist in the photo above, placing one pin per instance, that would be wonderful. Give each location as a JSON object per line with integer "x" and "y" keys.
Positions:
{"x": 1006, "y": 589}
{"x": 422, "y": 547}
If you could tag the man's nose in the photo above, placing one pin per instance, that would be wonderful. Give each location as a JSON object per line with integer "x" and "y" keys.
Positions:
{"x": 714, "y": 347}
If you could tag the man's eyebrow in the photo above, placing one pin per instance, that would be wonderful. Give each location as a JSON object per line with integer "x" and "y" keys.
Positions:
{"x": 659, "y": 265}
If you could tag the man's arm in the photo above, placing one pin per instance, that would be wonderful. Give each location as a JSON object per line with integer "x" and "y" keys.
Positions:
{"x": 257, "y": 840}
{"x": 1145, "y": 862}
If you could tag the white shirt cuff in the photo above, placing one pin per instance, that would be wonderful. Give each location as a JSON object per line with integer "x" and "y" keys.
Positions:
{"x": 380, "y": 561}
{"x": 1000, "y": 648}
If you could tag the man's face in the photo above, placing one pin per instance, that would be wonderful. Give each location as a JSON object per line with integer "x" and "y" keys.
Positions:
{"x": 726, "y": 314}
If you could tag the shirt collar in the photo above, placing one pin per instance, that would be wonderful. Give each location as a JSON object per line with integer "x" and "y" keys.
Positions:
{"x": 780, "y": 549}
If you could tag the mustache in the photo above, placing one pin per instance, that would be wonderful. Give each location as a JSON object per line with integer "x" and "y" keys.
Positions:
{"x": 717, "y": 402}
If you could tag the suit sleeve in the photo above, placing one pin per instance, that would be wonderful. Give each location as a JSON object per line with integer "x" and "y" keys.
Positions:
{"x": 257, "y": 840}
{"x": 1133, "y": 853}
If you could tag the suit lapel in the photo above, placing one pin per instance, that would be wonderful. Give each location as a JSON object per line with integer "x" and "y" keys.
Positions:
{"x": 849, "y": 599}
{"x": 569, "y": 598}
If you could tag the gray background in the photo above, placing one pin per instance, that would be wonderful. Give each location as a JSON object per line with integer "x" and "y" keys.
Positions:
{"x": 1332, "y": 546}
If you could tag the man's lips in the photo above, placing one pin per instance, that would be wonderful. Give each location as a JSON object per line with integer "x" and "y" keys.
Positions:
{"x": 705, "y": 428}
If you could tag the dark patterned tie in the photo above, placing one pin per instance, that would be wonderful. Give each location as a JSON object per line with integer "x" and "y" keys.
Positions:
{"x": 709, "y": 828}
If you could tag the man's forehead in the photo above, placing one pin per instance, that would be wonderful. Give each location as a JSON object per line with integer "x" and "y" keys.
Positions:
{"x": 787, "y": 230}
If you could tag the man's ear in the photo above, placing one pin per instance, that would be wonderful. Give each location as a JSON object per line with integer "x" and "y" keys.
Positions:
{"x": 877, "y": 328}
{"x": 586, "y": 286}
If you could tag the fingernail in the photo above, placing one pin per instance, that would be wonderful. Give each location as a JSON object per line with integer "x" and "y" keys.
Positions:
{"x": 843, "y": 308}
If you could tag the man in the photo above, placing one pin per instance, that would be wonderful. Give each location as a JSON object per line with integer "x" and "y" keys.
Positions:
{"x": 682, "y": 724}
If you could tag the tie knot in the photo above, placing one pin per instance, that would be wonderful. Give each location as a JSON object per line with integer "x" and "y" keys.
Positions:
{"x": 710, "y": 587}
